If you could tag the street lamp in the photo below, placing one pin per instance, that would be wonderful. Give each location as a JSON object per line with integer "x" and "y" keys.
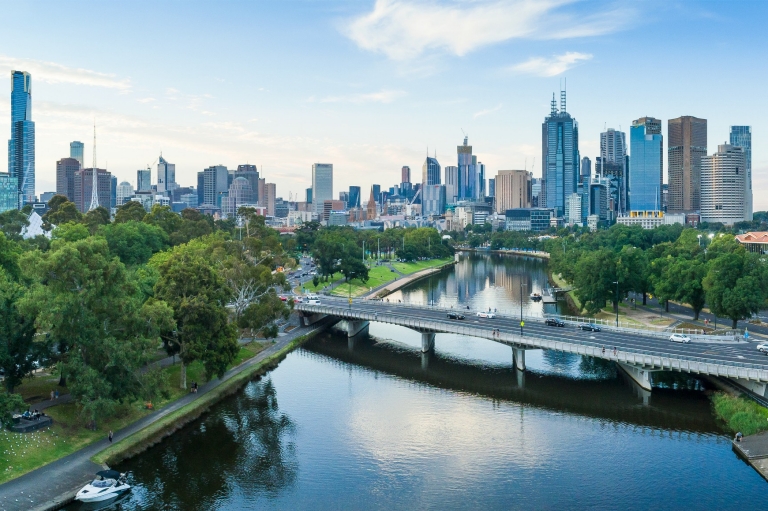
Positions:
{"x": 617, "y": 303}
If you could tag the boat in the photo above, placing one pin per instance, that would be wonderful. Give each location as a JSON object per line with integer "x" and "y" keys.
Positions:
{"x": 107, "y": 485}
{"x": 535, "y": 297}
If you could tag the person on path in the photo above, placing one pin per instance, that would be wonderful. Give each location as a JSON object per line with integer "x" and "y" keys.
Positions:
{"x": 110, "y": 436}
{"x": 51, "y": 395}
{"x": 57, "y": 393}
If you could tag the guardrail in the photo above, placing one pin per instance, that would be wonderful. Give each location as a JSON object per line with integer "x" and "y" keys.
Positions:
{"x": 650, "y": 358}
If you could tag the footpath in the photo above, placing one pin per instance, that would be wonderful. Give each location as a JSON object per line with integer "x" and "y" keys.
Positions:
{"x": 54, "y": 485}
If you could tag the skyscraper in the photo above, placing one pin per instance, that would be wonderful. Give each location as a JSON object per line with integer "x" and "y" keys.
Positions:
{"x": 215, "y": 184}
{"x": 468, "y": 178}
{"x": 406, "y": 174}
{"x": 250, "y": 173}
{"x": 65, "y": 177}
{"x": 143, "y": 180}
{"x": 433, "y": 202}
{"x": 430, "y": 172}
{"x": 513, "y": 190}
{"x": 612, "y": 165}
{"x": 687, "y": 144}
{"x": 21, "y": 146}
{"x": 741, "y": 136}
{"x": 560, "y": 154}
{"x": 166, "y": 176}
{"x": 646, "y": 164}
{"x": 353, "y": 197}
{"x": 377, "y": 193}
{"x": 84, "y": 189}
{"x": 123, "y": 193}
{"x": 322, "y": 185}
{"x": 76, "y": 150}
{"x": 451, "y": 184}
{"x": 724, "y": 186}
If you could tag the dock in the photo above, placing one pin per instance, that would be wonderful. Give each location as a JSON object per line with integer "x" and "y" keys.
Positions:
{"x": 754, "y": 450}
{"x": 548, "y": 297}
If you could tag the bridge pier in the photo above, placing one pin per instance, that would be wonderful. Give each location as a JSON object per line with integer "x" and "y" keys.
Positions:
{"x": 641, "y": 376}
{"x": 427, "y": 341}
{"x": 753, "y": 386}
{"x": 518, "y": 358}
{"x": 310, "y": 319}
{"x": 356, "y": 327}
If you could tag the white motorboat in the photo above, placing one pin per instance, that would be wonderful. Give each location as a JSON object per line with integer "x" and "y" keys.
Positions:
{"x": 107, "y": 485}
{"x": 535, "y": 297}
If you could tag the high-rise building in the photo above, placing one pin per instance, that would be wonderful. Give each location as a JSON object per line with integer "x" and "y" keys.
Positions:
{"x": 262, "y": 192}
{"x": 344, "y": 197}
{"x": 433, "y": 202}
{"x": 76, "y": 150}
{"x": 84, "y": 189}
{"x": 513, "y": 190}
{"x": 451, "y": 184}
{"x": 646, "y": 165}
{"x": 113, "y": 192}
{"x": 377, "y": 193}
{"x": 586, "y": 168}
{"x": 468, "y": 180}
{"x": 308, "y": 196}
{"x": 21, "y": 146}
{"x": 613, "y": 146}
{"x": 322, "y": 185}
{"x": 741, "y": 136}
{"x": 166, "y": 176}
{"x": 687, "y": 145}
{"x": 215, "y": 184}
{"x": 613, "y": 164}
{"x": 9, "y": 192}
{"x": 250, "y": 173}
{"x": 240, "y": 193}
{"x": 124, "y": 193}
{"x": 406, "y": 174}
{"x": 65, "y": 177}
{"x": 724, "y": 186}
{"x": 353, "y": 199}
{"x": 200, "y": 188}
{"x": 430, "y": 172}
{"x": 492, "y": 187}
{"x": 560, "y": 154}
{"x": 480, "y": 192}
{"x": 270, "y": 190}
{"x": 143, "y": 180}
{"x": 537, "y": 192}
{"x": 573, "y": 209}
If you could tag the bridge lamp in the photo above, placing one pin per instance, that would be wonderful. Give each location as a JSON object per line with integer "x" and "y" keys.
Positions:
{"x": 617, "y": 303}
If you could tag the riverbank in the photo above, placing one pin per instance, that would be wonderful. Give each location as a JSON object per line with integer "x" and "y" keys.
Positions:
{"x": 511, "y": 251}
{"x": 387, "y": 289}
{"x": 54, "y": 485}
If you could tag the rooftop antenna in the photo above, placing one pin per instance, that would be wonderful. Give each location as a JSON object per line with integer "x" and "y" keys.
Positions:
{"x": 95, "y": 182}
{"x": 553, "y": 104}
{"x": 562, "y": 99}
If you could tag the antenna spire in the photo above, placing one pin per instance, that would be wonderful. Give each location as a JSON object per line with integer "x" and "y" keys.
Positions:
{"x": 553, "y": 104}
{"x": 95, "y": 182}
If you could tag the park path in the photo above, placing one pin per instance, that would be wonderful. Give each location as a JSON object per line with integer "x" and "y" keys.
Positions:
{"x": 53, "y": 485}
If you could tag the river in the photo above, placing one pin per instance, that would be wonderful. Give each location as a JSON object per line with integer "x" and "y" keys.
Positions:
{"x": 373, "y": 423}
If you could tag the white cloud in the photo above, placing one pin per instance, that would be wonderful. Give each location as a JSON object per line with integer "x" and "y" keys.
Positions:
{"x": 146, "y": 100}
{"x": 404, "y": 30}
{"x": 383, "y": 96}
{"x": 487, "y": 111}
{"x": 50, "y": 72}
{"x": 554, "y": 66}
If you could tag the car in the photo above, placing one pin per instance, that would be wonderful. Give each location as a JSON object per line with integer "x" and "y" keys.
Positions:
{"x": 487, "y": 315}
{"x": 590, "y": 327}
{"x": 313, "y": 301}
{"x": 680, "y": 338}
{"x": 298, "y": 299}
{"x": 554, "y": 322}
{"x": 762, "y": 347}
{"x": 455, "y": 315}
{"x": 283, "y": 298}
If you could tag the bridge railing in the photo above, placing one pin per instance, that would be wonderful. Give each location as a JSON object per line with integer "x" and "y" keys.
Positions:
{"x": 514, "y": 338}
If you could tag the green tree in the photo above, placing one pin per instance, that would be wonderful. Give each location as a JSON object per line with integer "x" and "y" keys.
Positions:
{"x": 65, "y": 212}
{"x": 193, "y": 225}
{"x": 70, "y": 232}
{"x": 131, "y": 210}
{"x": 735, "y": 285}
{"x": 9, "y": 256}
{"x": 17, "y": 333}
{"x": 165, "y": 218}
{"x": 134, "y": 242}
{"x": 12, "y": 222}
{"x": 95, "y": 218}
{"x": 687, "y": 276}
{"x": 593, "y": 278}
{"x": 9, "y": 404}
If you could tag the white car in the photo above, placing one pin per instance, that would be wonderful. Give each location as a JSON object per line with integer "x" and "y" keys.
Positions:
{"x": 313, "y": 301}
{"x": 762, "y": 347}
{"x": 489, "y": 315}
{"x": 680, "y": 338}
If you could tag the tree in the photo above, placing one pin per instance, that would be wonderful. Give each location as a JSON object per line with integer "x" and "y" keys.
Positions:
{"x": 131, "y": 210}
{"x": 197, "y": 294}
{"x": 134, "y": 242}
{"x": 17, "y": 333}
{"x": 65, "y": 212}
{"x": 633, "y": 272}
{"x": 165, "y": 218}
{"x": 735, "y": 285}
{"x": 9, "y": 257}
{"x": 352, "y": 267}
{"x": 263, "y": 312}
{"x": 687, "y": 275}
{"x": 9, "y": 404}
{"x": 70, "y": 232}
{"x": 593, "y": 278}
{"x": 95, "y": 218}
{"x": 193, "y": 225}
{"x": 12, "y": 222}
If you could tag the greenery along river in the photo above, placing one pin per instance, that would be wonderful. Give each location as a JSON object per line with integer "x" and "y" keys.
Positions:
{"x": 375, "y": 424}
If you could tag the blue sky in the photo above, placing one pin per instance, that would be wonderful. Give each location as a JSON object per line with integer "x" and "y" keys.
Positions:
{"x": 369, "y": 85}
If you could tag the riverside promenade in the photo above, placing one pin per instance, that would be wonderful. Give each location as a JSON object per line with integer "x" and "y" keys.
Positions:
{"x": 54, "y": 485}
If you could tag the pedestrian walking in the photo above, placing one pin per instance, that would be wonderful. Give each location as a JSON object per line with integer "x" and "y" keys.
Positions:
{"x": 51, "y": 395}
{"x": 57, "y": 393}
{"x": 110, "y": 436}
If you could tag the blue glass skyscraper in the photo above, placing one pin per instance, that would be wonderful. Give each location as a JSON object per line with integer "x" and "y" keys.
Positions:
{"x": 21, "y": 146}
{"x": 646, "y": 164}
{"x": 353, "y": 199}
{"x": 560, "y": 154}
{"x": 741, "y": 136}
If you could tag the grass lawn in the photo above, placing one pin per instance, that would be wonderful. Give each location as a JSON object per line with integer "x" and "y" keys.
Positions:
{"x": 310, "y": 287}
{"x": 38, "y": 387}
{"x": 740, "y": 413}
{"x": 377, "y": 276}
{"x": 561, "y": 283}
{"x": 413, "y": 267}
{"x": 22, "y": 452}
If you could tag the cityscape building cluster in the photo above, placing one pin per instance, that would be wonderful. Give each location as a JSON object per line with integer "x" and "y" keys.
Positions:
{"x": 624, "y": 184}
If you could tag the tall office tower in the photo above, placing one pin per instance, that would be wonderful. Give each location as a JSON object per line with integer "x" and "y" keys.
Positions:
{"x": 492, "y": 187}
{"x": 215, "y": 184}
{"x": 613, "y": 146}
{"x": 741, "y": 136}
{"x": 322, "y": 185}
{"x": 262, "y": 192}
{"x": 65, "y": 177}
{"x": 586, "y": 168}
{"x": 687, "y": 145}
{"x": 430, "y": 172}
{"x": 612, "y": 164}
{"x": 646, "y": 165}
{"x": 201, "y": 187}
{"x": 113, "y": 192}
{"x": 724, "y": 186}
{"x": 537, "y": 192}
{"x": 468, "y": 179}
{"x": 406, "y": 175}
{"x": 344, "y": 197}
{"x": 480, "y": 191}
{"x": 84, "y": 189}
{"x": 21, "y": 146}
{"x": 451, "y": 184}
{"x": 76, "y": 150}
{"x": 250, "y": 173}
{"x": 9, "y": 192}
{"x": 433, "y": 203}
{"x": 143, "y": 180}
{"x": 166, "y": 176}
{"x": 560, "y": 154}
{"x": 377, "y": 193}
{"x": 308, "y": 196}
{"x": 513, "y": 190}
{"x": 240, "y": 193}
{"x": 123, "y": 193}
{"x": 353, "y": 197}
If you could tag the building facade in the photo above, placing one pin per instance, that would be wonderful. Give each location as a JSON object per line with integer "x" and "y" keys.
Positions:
{"x": 322, "y": 185}
{"x": 724, "y": 186}
{"x": 613, "y": 164}
{"x": 76, "y": 150}
{"x": 405, "y": 174}
{"x": 270, "y": 192}
{"x": 433, "y": 200}
{"x": 21, "y": 146}
{"x": 687, "y": 145}
{"x": 166, "y": 176}
{"x": 9, "y": 192}
{"x": 215, "y": 184}
{"x": 84, "y": 189}
{"x": 65, "y": 177}
{"x": 646, "y": 165}
{"x": 527, "y": 219}
{"x": 353, "y": 197}
{"x": 513, "y": 190}
{"x": 143, "y": 180}
{"x": 430, "y": 172}
{"x": 560, "y": 156}
{"x": 250, "y": 173}
{"x": 741, "y": 136}
{"x": 124, "y": 193}
{"x": 451, "y": 184}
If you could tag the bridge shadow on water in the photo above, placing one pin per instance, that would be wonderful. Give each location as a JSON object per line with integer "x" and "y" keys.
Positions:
{"x": 604, "y": 393}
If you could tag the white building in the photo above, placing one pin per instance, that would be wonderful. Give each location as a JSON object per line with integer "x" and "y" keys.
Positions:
{"x": 322, "y": 185}
{"x": 651, "y": 219}
{"x": 725, "y": 193}
{"x": 123, "y": 193}
{"x": 166, "y": 176}
{"x": 573, "y": 209}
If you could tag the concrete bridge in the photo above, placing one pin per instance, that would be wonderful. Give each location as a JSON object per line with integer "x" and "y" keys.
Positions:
{"x": 638, "y": 353}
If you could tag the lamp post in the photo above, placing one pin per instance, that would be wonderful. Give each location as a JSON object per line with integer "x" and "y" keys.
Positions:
{"x": 378, "y": 249}
{"x": 363, "y": 251}
{"x": 617, "y": 303}
{"x": 521, "y": 307}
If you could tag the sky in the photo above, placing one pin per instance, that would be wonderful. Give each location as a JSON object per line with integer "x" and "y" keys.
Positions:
{"x": 372, "y": 85}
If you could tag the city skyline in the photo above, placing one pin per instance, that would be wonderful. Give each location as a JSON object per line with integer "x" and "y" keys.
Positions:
{"x": 197, "y": 124}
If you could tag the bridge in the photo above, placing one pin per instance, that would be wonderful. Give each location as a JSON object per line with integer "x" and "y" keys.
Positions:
{"x": 639, "y": 353}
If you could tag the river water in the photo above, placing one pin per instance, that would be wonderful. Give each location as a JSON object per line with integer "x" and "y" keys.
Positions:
{"x": 375, "y": 424}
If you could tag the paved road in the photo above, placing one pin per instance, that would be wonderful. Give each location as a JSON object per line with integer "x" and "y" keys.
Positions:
{"x": 721, "y": 351}
{"x": 39, "y": 488}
